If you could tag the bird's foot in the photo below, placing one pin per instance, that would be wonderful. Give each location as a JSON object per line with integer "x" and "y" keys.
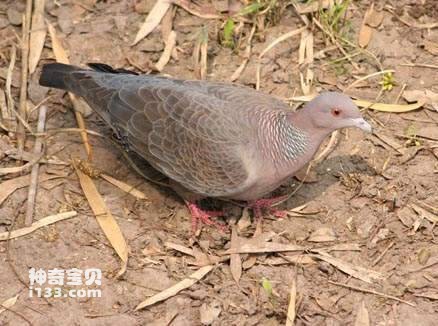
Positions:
{"x": 266, "y": 204}
{"x": 200, "y": 215}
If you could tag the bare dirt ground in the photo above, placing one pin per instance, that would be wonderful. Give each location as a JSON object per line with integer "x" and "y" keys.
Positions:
{"x": 375, "y": 196}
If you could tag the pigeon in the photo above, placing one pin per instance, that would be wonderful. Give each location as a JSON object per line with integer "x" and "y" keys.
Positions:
{"x": 210, "y": 139}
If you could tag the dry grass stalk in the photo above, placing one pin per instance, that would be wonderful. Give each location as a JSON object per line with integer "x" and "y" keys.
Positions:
{"x": 200, "y": 54}
{"x": 362, "y": 318}
{"x": 22, "y": 168}
{"x": 412, "y": 23}
{"x": 22, "y": 110}
{"x": 335, "y": 42}
{"x": 272, "y": 45}
{"x": 433, "y": 218}
{"x": 61, "y": 56}
{"x": 165, "y": 56}
{"x": 207, "y": 12}
{"x": 357, "y": 81}
{"x": 10, "y": 116}
{"x": 252, "y": 259}
{"x": 28, "y": 157}
{"x": 382, "y": 107}
{"x": 125, "y": 187}
{"x": 428, "y": 295}
{"x": 175, "y": 289}
{"x": 59, "y": 130}
{"x": 37, "y": 150}
{"x": 291, "y": 310}
{"x": 104, "y": 217}
{"x": 263, "y": 247}
{"x": 380, "y": 294}
{"x": 167, "y": 22}
{"x": 37, "y": 36}
{"x": 390, "y": 142}
{"x": 305, "y": 51}
{"x": 5, "y": 305}
{"x": 9, "y": 186}
{"x": 421, "y": 65}
{"x": 361, "y": 273}
{"x": 313, "y": 6}
{"x": 399, "y": 95}
{"x": 379, "y": 258}
{"x": 180, "y": 248}
{"x": 328, "y": 149}
{"x": 3, "y": 109}
{"x": 200, "y": 259}
{"x": 246, "y": 56}
{"x": 395, "y": 108}
{"x": 305, "y": 57}
{"x": 152, "y": 20}
{"x": 235, "y": 259}
{"x": 37, "y": 225}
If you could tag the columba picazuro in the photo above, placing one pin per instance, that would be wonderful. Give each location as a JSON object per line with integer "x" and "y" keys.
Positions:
{"x": 210, "y": 139}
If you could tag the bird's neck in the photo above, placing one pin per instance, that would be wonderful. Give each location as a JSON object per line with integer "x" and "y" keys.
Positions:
{"x": 301, "y": 118}
{"x": 293, "y": 141}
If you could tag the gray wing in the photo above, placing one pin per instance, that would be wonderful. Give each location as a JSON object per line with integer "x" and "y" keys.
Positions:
{"x": 242, "y": 97}
{"x": 193, "y": 132}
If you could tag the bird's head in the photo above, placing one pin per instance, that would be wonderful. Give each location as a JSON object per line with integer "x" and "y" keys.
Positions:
{"x": 333, "y": 110}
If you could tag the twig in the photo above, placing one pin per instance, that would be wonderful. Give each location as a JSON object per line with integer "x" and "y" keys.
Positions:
{"x": 421, "y": 268}
{"x": 21, "y": 135}
{"x": 357, "y": 81}
{"x": 376, "y": 261}
{"x": 422, "y": 65}
{"x": 22, "y": 168}
{"x": 22, "y": 119}
{"x": 400, "y": 93}
{"x": 352, "y": 55}
{"x": 356, "y": 288}
{"x": 59, "y": 130}
{"x": 31, "y": 195}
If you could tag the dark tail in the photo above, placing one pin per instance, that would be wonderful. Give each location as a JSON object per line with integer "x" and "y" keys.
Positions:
{"x": 55, "y": 75}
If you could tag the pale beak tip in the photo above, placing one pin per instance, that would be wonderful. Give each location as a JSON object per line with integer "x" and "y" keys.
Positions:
{"x": 362, "y": 124}
{"x": 366, "y": 127}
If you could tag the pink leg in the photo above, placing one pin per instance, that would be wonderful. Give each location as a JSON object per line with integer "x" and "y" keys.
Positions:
{"x": 198, "y": 214}
{"x": 261, "y": 204}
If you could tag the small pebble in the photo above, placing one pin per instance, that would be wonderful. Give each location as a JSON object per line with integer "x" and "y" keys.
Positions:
{"x": 15, "y": 17}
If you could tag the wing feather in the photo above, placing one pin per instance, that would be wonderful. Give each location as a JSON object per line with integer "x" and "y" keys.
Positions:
{"x": 193, "y": 132}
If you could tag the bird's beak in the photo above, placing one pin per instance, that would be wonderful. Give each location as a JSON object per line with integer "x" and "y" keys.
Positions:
{"x": 362, "y": 124}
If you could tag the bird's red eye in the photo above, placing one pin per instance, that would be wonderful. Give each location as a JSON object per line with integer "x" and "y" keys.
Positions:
{"x": 336, "y": 112}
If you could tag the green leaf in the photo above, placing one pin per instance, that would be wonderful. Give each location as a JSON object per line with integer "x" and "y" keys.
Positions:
{"x": 228, "y": 33}
{"x": 267, "y": 286}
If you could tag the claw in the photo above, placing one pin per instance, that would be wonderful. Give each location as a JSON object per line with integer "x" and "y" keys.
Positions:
{"x": 266, "y": 204}
{"x": 198, "y": 214}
